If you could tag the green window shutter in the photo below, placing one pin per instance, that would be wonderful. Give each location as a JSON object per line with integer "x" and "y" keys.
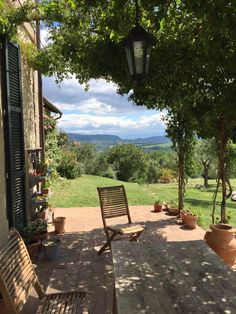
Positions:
{"x": 14, "y": 139}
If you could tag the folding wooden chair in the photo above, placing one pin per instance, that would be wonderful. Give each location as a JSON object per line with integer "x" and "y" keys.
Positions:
{"x": 17, "y": 277}
{"x": 113, "y": 203}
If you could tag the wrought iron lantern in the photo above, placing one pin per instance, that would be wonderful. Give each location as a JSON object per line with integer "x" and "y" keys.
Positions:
{"x": 138, "y": 44}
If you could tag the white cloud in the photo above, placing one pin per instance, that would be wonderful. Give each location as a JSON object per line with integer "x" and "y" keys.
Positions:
{"x": 79, "y": 122}
{"x": 66, "y": 107}
{"x": 102, "y": 87}
{"x": 92, "y": 105}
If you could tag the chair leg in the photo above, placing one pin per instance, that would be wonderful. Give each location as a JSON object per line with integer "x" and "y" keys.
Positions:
{"x": 102, "y": 249}
{"x": 114, "y": 309}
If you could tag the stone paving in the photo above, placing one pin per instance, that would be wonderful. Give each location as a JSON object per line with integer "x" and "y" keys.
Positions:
{"x": 79, "y": 266}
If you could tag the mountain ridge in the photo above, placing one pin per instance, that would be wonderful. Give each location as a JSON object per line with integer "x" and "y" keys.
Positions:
{"x": 96, "y": 138}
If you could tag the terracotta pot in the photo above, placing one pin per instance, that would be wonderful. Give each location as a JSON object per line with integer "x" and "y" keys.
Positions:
{"x": 173, "y": 210}
{"x": 59, "y": 223}
{"x": 32, "y": 246}
{"x": 221, "y": 239}
{"x": 45, "y": 190}
{"x": 182, "y": 216}
{"x": 189, "y": 220}
{"x": 158, "y": 208}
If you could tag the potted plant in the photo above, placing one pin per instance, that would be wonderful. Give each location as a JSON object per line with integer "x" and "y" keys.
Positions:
{"x": 51, "y": 248}
{"x": 172, "y": 207}
{"x": 158, "y": 206}
{"x": 31, "y": 239}
{"x": 41, "y": 168}
{"x": 36, "y": 229}
{"x": 46, "y": 187}
{"x": 189, "y": 219}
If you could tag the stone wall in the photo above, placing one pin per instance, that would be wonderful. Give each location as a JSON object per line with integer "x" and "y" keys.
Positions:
{"x": 31, "y": 118}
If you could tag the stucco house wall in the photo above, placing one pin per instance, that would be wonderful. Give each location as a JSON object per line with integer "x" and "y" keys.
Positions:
{"x": 31, "y": 122}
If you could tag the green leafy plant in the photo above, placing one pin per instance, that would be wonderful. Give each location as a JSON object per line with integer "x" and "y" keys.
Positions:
{"x": 173, "y": 204}
{"x": 35, "y": 227}
{"x": 69, "y": 167}
{"x": 166, "y": 175}
{"x": 51, "y": 242}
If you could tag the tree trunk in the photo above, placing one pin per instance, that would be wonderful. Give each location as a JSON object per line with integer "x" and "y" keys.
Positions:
{"x": 181, "y": 177}
{"x": 222, "y": 170}
{"x": 206, "y": 171}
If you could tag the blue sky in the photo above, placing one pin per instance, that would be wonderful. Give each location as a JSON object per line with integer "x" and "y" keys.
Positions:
{"x": 100, "y": 110}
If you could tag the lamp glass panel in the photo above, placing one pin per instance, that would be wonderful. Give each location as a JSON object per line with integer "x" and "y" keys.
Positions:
{"x": 129, "y": 60}
{"x": 148, "y": 59}
{"x": 138, "y": 56}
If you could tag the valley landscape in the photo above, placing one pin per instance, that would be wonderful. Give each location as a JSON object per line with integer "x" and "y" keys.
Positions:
{"x": 103, "y": 141}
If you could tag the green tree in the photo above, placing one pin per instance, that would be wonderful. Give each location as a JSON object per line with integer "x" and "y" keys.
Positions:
{"x": 86, "y": 156}
{"x": 153, "y": 171}
{"x": 180, "y": 129}
{"x": 68, "y": 166}
{"x": 205, "y": 154}
{"x": 165, "y": 159}
{"x": 102, "y": 167}
{"x": 128, "y": 161}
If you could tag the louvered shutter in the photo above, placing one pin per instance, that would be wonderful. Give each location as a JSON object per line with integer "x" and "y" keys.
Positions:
{"x": 14, "y": 140}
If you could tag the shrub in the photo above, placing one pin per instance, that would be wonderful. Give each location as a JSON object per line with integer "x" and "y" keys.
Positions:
{"x": 153, "y": 171}
{"x": 69, "y": 167}
{"x": 166, "y": 175}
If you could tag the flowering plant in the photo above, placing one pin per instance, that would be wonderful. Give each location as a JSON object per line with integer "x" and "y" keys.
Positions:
{"x": 49, "y": 123}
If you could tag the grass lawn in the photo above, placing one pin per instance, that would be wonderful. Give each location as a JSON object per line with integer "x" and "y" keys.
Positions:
{"x": 82, "y": 192}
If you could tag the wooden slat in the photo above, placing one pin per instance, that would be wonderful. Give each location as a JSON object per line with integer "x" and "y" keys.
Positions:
{"x": 70, "y": 302}
{"x": 173, "y": 277}
{"x": 17, "y": 275}
{"x": 113, "y": 201}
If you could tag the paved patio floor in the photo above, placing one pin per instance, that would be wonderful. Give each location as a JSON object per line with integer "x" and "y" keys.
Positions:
{"x": 79, "y": 266}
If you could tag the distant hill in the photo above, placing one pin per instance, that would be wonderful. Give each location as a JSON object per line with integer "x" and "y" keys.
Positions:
{"x": 106, "y": 138}
{"x": 150, "y": 140}
{"x": 96, "y": 138}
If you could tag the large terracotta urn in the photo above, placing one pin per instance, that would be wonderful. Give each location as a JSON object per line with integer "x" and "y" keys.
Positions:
{"x": 222, "y": 240}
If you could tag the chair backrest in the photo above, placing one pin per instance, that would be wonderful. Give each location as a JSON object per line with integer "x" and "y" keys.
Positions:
{"x": 17, "y": 275}
{"x": 113, "y": 202}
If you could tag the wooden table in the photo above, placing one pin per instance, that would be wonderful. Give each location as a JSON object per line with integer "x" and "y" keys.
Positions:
{"x": 171, "y": 277}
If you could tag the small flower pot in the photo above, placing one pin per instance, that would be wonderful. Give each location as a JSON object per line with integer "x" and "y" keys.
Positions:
{"x": 59, "y": 223}
{"x": 158, "y": 208}
{"x": 51, "y": 249}
{"x": 190, "y": 221}
{"x": 45, "y": 191}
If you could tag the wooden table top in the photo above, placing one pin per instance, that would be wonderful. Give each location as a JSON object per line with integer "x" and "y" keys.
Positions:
{"x": 171, "y": 277}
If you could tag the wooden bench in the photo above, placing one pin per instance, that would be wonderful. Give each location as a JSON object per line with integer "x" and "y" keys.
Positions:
{"x": 17, "y": 277}
{"x": 171, "y": 277}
